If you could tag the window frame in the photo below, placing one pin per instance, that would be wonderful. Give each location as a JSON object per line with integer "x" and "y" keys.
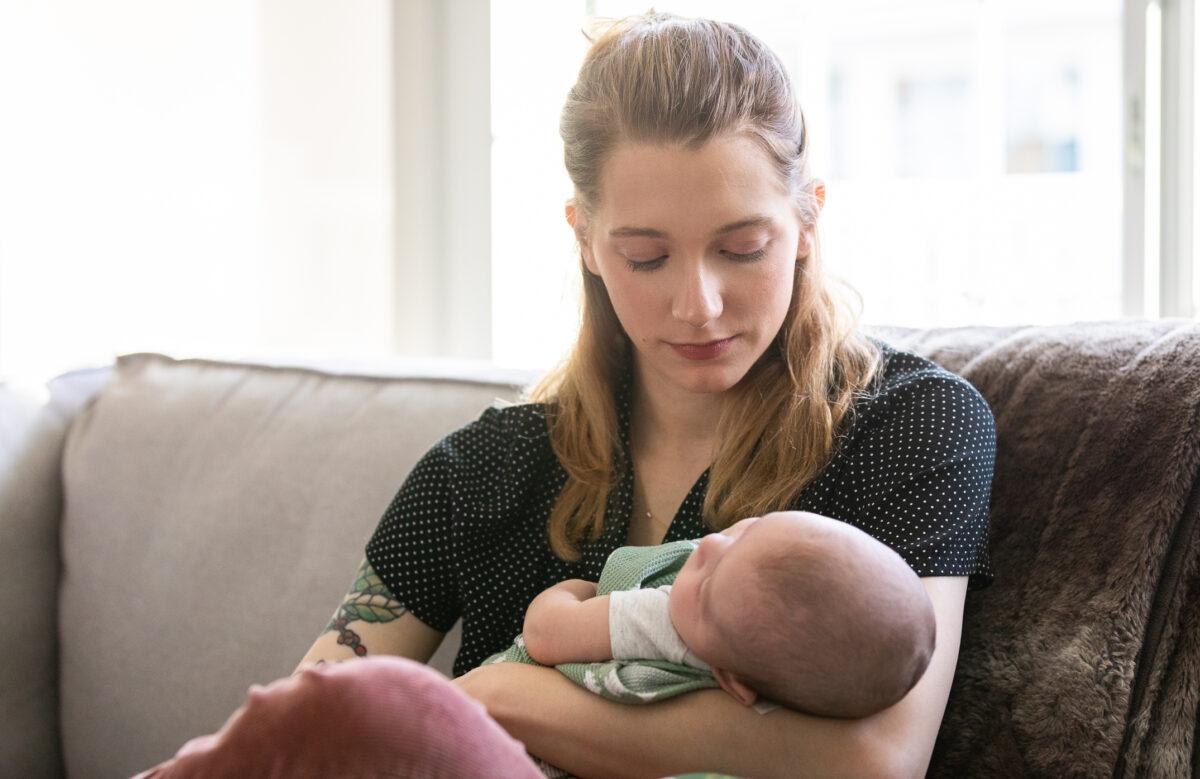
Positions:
{"x": 1159, "y": 126}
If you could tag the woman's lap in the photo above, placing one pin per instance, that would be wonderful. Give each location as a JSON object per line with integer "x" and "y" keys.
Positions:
{"x": 375, "y": 716}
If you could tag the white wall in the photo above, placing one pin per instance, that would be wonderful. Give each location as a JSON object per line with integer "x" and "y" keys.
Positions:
{"x": 443, "y": 142}
{"x": 325, "y": 273}
{"x": 199, "y": 177}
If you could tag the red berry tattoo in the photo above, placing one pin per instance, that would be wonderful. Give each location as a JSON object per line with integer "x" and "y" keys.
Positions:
{"x": 369, "y": 600}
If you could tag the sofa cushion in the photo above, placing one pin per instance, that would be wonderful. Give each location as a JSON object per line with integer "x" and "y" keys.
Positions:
{"x": 215, "y": 514}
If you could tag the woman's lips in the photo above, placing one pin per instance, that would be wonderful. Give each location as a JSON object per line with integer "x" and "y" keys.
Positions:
{"x": 706, "y": 351}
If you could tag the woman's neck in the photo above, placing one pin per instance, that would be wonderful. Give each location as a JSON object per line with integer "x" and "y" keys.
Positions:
{"x": 673, "y": 422}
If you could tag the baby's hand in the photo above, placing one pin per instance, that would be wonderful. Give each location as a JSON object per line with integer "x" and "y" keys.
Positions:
{"x": 542, "y": 609}
{"x": 560, "y": 628}
{"x": 580, "y": 588}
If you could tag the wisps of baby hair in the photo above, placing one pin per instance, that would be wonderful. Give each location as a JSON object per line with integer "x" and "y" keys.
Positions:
{"x": 659, "y": 78}
{"x": 825, "y": 631}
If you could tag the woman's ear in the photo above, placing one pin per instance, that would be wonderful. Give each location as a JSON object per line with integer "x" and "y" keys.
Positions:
{"x": 805, "y": 247}
{"x": 578, "y": 223}
{"x": 806, "y": 243}
{"x": 731, "y": 684}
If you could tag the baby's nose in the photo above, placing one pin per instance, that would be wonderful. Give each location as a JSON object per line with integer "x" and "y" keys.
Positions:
{"x": 712, "y": 544}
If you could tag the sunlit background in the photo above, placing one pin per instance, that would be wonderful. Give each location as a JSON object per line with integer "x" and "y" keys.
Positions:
{"x": 376, "y": 180}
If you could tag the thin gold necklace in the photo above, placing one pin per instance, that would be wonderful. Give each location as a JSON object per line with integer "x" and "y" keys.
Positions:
{"x": 649, "y": 516}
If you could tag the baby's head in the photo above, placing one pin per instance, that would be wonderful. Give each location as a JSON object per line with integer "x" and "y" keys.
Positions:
{"x": 807, "y": 611}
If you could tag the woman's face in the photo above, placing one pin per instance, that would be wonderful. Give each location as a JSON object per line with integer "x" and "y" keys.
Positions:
{"x": 695, "y": 247}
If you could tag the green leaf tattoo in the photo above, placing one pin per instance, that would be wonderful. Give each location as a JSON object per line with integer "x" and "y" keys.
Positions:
{"x": 369, "y": 600}
{"x": 372, "y": 608}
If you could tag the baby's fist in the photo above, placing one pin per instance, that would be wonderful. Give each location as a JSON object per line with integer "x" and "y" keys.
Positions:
{"x": 580, "y": 588}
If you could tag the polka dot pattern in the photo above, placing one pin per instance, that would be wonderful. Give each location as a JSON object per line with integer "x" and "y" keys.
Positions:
{"x": 465, "y": 534}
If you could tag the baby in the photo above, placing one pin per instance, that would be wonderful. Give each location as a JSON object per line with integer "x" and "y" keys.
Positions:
{"x": 804, "y": 610}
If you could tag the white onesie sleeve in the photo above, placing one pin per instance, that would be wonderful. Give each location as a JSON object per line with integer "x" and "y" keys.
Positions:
{"x": 639, "y": 628}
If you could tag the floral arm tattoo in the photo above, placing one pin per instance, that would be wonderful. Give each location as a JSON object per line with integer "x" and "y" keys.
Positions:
{"x": 369, "y": 601}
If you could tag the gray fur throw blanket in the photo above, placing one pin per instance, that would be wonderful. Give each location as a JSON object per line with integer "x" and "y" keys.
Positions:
{"x": 1083, "y": 656}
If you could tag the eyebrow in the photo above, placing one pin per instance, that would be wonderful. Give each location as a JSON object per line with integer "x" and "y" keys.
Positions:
{"x": 649, "y": 232}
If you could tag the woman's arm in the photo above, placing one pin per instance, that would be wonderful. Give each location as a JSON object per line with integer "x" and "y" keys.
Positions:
{"x": 709, "y": 731}
{"x": 370, "y": 620}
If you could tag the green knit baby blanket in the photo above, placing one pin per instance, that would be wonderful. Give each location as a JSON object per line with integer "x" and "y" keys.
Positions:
{"x": 630, "y": 681}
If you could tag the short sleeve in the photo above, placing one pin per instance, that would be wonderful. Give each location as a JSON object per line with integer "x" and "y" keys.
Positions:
{"x": 921, "y": 477}
{"x": 411, "y": 548}
{"x": 639, "y": 626}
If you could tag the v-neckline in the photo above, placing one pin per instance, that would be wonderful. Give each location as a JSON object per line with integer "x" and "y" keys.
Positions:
{"x": 675, "y": 529}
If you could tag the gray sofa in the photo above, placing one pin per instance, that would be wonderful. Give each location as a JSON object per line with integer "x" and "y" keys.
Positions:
{"x": 176, "y": 530}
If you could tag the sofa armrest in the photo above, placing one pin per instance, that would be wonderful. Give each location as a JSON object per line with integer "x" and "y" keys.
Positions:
{"x": 31, "y": 440}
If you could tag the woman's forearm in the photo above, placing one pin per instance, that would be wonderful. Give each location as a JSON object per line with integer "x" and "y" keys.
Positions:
{"x": 700, "y": 731}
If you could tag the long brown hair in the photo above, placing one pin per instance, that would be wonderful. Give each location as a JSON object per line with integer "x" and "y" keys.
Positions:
{"x": 663, "y": 79}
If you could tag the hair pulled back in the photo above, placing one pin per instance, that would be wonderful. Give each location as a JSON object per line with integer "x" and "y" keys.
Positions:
{"x": 663, "y": 79}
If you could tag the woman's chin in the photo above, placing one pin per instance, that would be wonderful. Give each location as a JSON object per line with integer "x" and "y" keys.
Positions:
{"x": 709, "y": 379}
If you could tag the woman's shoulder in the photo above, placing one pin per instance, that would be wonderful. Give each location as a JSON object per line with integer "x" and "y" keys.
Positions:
{"x": 495, "y": 462}
{"x": 916, "y": 397}
{"x": 907, "y": 377}
{"x": 504, "y": 429}
{"x": 506, "y": 443}
{"x": 525, "y": 420}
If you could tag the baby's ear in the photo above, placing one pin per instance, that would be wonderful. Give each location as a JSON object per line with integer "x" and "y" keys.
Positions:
{"x": 731, "y": 684}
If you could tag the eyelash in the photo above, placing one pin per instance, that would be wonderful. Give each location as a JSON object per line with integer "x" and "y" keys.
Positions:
{"x": 650, "y": 265}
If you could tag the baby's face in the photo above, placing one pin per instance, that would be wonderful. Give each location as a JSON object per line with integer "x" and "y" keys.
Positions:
{"x": 720, "y": 565}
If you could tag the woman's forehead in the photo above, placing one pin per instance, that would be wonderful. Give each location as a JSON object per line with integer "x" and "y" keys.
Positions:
{"x": 724, "y": 180}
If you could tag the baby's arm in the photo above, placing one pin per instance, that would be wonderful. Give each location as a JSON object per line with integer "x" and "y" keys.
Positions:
{"x": 568, "y": 623}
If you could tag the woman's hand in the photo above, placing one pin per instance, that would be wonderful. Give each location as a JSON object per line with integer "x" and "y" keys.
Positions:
{"x": 495, "y": 685}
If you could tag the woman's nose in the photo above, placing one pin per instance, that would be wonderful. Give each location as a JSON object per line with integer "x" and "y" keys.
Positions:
{"x": 699, "y": 299}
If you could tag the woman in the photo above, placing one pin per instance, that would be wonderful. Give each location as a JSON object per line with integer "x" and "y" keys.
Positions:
{"x": 714, "y": 377}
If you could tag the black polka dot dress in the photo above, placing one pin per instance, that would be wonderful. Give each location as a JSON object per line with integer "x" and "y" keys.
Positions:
{"x": 465, "y": 534}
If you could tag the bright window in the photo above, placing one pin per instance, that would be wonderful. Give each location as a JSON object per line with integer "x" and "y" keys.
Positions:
{"x": 971, "y": 151}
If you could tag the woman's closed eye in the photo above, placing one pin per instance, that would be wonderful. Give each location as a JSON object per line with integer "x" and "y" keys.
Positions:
{"x": 647, "y": 265}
